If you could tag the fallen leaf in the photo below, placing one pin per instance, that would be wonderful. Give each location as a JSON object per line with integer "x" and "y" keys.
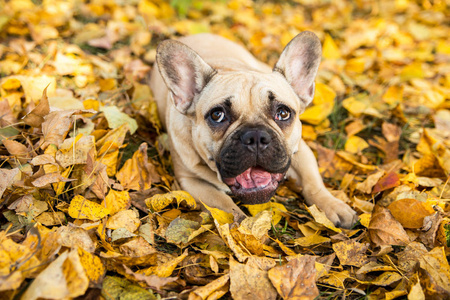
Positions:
{"x": 410, "y": 212}
{"x": 351, "y": 253}
{"x": 138, "y": 173}
{"x": 160, "y": 201}
{"x": 81, "y": 208}
{"x": 64, "y": 277}
{"x": 296, "y": 279}
{"x": 249, "y": 283}
{"x": 36, "y": 117}
{"x": 385, "y": 230}
{"x": 128, "y": 219}
{"x": 321, "y": 218}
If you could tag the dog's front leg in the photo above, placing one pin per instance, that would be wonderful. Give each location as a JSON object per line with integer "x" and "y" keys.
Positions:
{"x": 305, "y": 171}
{"x": 211, "y": 196}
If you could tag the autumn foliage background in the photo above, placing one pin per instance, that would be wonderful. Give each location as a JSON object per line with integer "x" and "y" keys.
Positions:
{"x": 89, "y": 207}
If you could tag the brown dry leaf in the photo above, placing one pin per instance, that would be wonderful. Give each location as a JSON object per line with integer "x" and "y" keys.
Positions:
{"x": 75, "y": 150}
{"x": 47, "y": 179}
{"x": 137, "y": 247}
{"x": 55, "y": 127}
{"x": 410, "y": 212}
{"x": 351, "y": 253}
{"x": 248, "y": 283}
{"x": 385, "y": 230}
{"x": 73, "y": 237}
{"x": 138, "y": 173}
{"x": 43, "y": 159}
{"x": 296, "y": 279}
{"x": 152, "y": 281}
{"x": 81, "y": 208}
{"x": 51, "y": 218}
{"x": 36, "y": 117}
{"x": 7, "y": 178}
{"x": 367, "y": 185}
{"x": 18, "y": 150}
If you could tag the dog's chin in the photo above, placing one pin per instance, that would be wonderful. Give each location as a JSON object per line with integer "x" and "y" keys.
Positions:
{"x": 254, "y": 185}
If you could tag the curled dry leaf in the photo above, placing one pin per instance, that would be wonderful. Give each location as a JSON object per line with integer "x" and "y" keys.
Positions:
{"x": 36, "y": 117}
{"x": 138, "y": 173}
{"x": 384, "y": 229}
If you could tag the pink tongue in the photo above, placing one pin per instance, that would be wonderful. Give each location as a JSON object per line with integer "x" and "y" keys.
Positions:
{"x": 254, "y": 177}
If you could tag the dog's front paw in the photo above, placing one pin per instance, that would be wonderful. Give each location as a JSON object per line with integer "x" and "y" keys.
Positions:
{"x": 336, "y": 210}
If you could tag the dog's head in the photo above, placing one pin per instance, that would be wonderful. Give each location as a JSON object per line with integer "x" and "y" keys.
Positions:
{"x": 245, "y": 124}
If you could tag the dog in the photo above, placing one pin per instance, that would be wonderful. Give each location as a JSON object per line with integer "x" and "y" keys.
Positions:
{"x": 233, "y": 122}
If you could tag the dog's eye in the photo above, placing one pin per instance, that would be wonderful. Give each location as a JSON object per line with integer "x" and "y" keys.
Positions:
{"x": 283, "y": 113}
{"x": 217, "y": 115}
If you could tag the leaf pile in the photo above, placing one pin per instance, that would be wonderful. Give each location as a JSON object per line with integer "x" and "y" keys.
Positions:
{"x": 88, "y": 202}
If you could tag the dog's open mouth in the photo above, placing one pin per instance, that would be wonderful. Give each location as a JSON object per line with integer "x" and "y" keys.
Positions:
{"x": 254, "y": 185}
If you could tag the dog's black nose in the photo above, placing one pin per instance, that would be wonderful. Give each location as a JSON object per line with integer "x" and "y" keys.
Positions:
{"x": 256, "y": 139}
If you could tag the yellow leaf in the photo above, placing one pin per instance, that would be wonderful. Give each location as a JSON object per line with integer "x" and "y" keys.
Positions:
{"x": 355, "y": 65}
{"x": 394, "y": 94}
{"x": 364, "y": 219}
{"x": 160, "y": 201}
{"x": 330, "y": 49}
{"x": 276, "y": 208}
{"x": 11, "y": 83}
{"x": 91, "y": 104}
{"x": 323, "y": 104}
{"x": 311, "y": 240}
{"x": 355, "y": 144}
{"x": 116, "y": 201}
{"x": 412, "y": 71}
{"x": 355, "y": 106}
{"x": 220, "y": 216}
{"x": 258, "y": 226}
{"x": 321, "y": 218}
{"x": 81, "y": 208}
{"x": 93, "y": 266}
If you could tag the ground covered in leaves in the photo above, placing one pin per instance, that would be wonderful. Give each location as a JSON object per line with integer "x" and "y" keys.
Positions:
{"x": 88, "y": 204}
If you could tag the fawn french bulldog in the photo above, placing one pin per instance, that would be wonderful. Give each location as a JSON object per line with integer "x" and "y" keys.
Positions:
{"x": 233, "y": 122}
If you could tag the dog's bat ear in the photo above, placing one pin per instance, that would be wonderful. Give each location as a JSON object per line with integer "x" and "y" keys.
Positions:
{"x": 299, "y": 62}
{"x": 184, "y": 72}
